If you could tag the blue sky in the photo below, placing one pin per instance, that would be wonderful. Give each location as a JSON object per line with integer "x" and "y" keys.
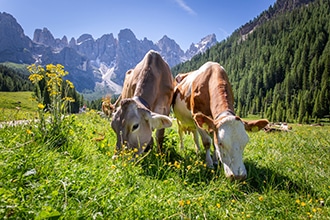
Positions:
{"x": 185, "y": 21}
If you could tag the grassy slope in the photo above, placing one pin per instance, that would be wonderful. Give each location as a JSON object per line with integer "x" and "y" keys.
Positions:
{"x": 9, "y": 101}
{"x": 288, "y": 177}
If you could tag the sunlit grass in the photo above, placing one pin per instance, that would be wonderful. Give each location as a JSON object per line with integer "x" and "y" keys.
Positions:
{"x": 17, "y": 106}
{"x": 287, "y": 177}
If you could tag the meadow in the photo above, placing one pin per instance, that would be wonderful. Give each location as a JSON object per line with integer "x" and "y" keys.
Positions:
{"x": 16, "y": 106}
{"x": 288, "y": 176}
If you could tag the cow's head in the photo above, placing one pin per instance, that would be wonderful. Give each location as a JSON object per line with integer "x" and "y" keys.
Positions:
{"x": 230, "y": 139}
{"x": 134, "y": 124}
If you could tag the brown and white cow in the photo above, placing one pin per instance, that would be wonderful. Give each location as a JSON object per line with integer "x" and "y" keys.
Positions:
{"x": 145, "y": 103}
{"x": 203, "y": 103}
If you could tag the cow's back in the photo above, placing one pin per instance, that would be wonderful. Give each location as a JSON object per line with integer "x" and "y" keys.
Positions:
{"x": 212, "y": 92}
{"x": 207, "y": 90}
{"x": 150, "y": 80}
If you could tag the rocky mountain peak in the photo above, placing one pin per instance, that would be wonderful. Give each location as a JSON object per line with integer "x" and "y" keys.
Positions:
{"x": 44, "y": 37}
{"x": 202, "y": 46}
{"x": 126, "y": 36}
{"x": 14, "y": 45}
{"x": 170, "y": 50}
{"x": 94, "y": 64}
{"x": 85, "y": 37}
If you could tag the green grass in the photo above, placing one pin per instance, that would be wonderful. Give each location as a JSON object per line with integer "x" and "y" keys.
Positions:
{"x": 17, "y": 106}
{"x": 288, "y": 177}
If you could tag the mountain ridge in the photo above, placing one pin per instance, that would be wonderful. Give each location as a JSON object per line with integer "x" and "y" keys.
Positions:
{"x": 94, "y": 64}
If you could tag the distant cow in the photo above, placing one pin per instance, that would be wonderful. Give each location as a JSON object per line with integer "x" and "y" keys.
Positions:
{"x": 145, "y": 103}
{"x": 255, "y": 125}
{"x": 204, "y": 98}
{"x": 107, "y": 107}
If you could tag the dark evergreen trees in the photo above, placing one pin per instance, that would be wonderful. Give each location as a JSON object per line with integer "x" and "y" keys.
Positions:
{"x": 281, "y": 69}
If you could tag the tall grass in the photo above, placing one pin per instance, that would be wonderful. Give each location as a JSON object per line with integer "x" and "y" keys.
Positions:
{"x": 287, "y": 177}
{"x": 64, "y": 169}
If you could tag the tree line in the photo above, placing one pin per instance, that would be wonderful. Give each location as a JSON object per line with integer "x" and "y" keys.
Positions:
{"x": 281, "y": 70}
{"x": 14, "y": 80}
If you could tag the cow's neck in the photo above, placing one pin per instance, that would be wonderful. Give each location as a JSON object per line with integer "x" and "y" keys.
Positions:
{"x": 224, "y": 114}
{"x": 141, "y": 101}
{"x": 222, "y": 102}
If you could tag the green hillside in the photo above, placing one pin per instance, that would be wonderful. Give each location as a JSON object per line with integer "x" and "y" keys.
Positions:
{"x": 281, "y": 69}
{"x": 14, "y": 77}
{"x": 17, "y": 106}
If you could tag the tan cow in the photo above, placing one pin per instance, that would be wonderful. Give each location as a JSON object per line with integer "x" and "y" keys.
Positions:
{"x": 145, "y": 103}
{"x": 107, "y": 107}
{"x": 203, "y": 103}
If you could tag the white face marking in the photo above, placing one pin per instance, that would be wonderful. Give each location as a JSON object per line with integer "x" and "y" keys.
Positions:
{"x": 232, "y": 139}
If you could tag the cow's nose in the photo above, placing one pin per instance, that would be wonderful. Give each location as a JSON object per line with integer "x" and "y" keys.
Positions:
{"x": 237, "y": 177}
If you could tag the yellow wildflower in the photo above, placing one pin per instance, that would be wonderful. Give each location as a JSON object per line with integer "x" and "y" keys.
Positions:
{"x": 53, "y": 93}
{"x": 41, "y": 106}
{"x": 50, "y": 67}
{"x": 70, "y": 84}
{"x": 35, "y": 78}
{"x": 177, "y": 164}
{"x": 261, "y": 198}
{"x": 303, "y": 204}
{"x": 218, "y": 205}
{"x": 69, "y": 99}
{"x": 181, "y": 203}
{"x": 188, "y": 202}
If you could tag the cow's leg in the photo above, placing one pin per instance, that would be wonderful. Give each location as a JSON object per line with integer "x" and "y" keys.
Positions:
{"x": 180, "y": 131}
{"x": 160, "y": 132}
{"x": 160, "y": 138}
{"x": 196, "y": 140}
{"x": 215, "y": 155}
{"x": 207, "y": 141}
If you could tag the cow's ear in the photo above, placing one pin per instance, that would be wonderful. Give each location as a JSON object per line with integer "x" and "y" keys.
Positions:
{"x": 158, "y": 121}
{"x": 180, "y": 77}
{"x": 255, "y": 125}
{"x": 204, "y": 122}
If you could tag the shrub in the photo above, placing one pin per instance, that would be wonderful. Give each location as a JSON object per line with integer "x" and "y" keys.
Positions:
{"x": 53, "y": 102}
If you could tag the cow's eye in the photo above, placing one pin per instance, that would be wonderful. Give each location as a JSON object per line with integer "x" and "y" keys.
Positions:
{"x": 136, "y": 126}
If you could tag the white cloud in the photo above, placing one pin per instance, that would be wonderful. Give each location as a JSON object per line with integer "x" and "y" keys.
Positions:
{"x": 185, "y": 7}
{"x": 223, "y": 32}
